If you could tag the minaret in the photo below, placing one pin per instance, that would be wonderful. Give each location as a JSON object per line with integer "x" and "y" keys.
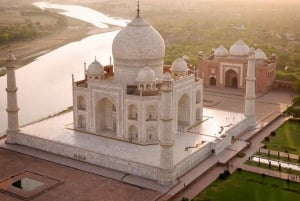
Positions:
{"x": 166, "y": 123}
{"x": 12, "y": 104}
{"x": 250, "y": 90}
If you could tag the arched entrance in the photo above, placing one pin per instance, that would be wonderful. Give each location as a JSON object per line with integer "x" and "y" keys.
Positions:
{"x": 132, "y": 133}
{"x": 105, "y": 116}
{"x": 198, "y": 114}
{"x": 198, "y": 96}
{"x": 212, "y": 81}
{"x": 81, "y": 122}
{"x": 231, "y": 79}
{"x": 183, "y": 114}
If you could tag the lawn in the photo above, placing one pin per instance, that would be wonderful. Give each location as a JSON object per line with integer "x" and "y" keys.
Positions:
{"x": 287, "y": 138}
{"x": 246, "y": 186}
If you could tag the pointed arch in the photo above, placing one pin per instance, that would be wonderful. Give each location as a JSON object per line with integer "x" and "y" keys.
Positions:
{"x": 151, "y": 112}
{"x": 105, "y": 115}
{"x": 231, "y": 79}
{"x": 198, "y": 96}
{"x": 80, "y": 103}
{"x": 132, "y": 112}
{"x": 183, "y": 112}
{"x": 198, "y": 114}
{"x": 132, "y": 133}
{"x": 151, "y": 133}
{"x": 212, "y": 81}
{"x": 81, "y": 122}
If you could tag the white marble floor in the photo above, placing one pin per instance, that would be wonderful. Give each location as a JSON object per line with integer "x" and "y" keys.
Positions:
{"x": 57, "y": 129}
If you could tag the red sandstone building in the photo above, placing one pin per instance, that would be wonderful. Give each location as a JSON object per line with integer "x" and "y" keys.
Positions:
{"x": 228, "y": 69}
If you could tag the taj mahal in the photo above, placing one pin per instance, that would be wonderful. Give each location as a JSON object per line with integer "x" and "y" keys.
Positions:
{"x": 134, "y": 115}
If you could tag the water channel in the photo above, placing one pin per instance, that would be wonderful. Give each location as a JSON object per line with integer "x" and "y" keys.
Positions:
{"x": 44, "y": 86}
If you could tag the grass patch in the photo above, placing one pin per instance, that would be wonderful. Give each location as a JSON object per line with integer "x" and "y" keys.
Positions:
{"x": 287, "y": 138}
{"x": 248, "y": 186}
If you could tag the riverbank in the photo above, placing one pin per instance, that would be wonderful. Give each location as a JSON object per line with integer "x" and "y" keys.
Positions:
{"x": 28, "y": 51}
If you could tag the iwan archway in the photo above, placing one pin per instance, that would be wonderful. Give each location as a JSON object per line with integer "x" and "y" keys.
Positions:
{"x": 183, "y": 113}
{"x": 105, "y": 117}
{"x": 231, "y": 79}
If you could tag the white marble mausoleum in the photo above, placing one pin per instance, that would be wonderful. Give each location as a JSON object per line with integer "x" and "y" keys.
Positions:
{"x": 134, "y": 116}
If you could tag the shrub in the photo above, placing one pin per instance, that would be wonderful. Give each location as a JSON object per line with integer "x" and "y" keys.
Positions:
{"x": 241, "y": 154}
{"x": 267, "y": 139}
{"x": 273, "y": 133}
{"x": 224, "y": 175}
{"x": 185, "y": 199}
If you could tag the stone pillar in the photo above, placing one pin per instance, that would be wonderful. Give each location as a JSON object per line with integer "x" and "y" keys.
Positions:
{"x": 12, "y": 104}
{"x": 166, "y": 170}
{"x": 250, "y": 89}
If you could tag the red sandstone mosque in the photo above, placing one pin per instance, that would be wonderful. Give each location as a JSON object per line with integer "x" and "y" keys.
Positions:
{"x": 225, "y": 68}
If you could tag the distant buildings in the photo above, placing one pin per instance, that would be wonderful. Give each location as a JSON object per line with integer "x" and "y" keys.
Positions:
{"x": 225, "y": 68}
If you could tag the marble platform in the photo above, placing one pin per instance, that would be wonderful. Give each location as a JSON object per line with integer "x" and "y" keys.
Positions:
{"x": 55, "y": 136}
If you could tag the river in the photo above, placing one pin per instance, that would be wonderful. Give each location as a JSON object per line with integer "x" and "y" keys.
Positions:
{"x": 45, "y": 85}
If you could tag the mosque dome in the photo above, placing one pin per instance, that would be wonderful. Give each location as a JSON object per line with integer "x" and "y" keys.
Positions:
{"x": 95, "y": 68}
{"x": 179, "y": 65}
{"x": 221, "y": 51}
{"x": 146, "y": 75}
{"x": 138, "y": 41}
{"x": 239, "y": 48}
{"x": 260, "y": 55}
{"x": 186, "y": 57}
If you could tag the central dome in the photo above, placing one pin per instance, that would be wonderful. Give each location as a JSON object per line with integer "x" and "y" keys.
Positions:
{"x": 137, "y": 45}
{"x": 239, "y": 48}
{"x": 138, "y": 41}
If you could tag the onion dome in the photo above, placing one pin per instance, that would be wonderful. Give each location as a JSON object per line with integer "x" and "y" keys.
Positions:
{"x": 221, "y": 51}
{"x": 179, "y": 65}
{"x": 239, "y": 48}
{"x": 95, "y": 68}
{"x": 260, "y": 55}
{"x": 186, "y": 57}
{"x": 146, "y": 75}
{"x": 138, "y": 41}
{"x": 167, "y": 77}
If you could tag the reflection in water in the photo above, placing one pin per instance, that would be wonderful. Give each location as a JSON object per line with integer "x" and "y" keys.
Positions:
{"x": 44, "y": 86}
{"x": 85, "y": 14}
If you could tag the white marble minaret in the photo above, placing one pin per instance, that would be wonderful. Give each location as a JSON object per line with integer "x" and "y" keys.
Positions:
{"x": 12, "y": 104}
{"x": 250, "y": 89}
{"x": 166, "y": 170}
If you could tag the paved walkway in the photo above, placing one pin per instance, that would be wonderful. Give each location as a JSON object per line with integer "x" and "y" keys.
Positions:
{"x": 271, "y": 173}
{"x": 281, "y": 154}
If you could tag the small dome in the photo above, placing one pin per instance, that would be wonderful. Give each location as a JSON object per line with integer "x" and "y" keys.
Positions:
{"x": 138, "y": 41}
{"x": 146, "y": 75}
{"x": 167, "y": 77}
{"x": 179, "y": 65}
{"x": 186, "y": 57}
{"x": 239, "y": 48}
{"x": 259, "y": 54}
{"x": 10, "y": 57}
{"x": 95, "y": 68}
{"x": 221, "y": 51}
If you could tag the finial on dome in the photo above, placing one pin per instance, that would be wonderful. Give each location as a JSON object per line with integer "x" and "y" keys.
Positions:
{"x": 138, "y": 9}
{"x": 95, "y": 58}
